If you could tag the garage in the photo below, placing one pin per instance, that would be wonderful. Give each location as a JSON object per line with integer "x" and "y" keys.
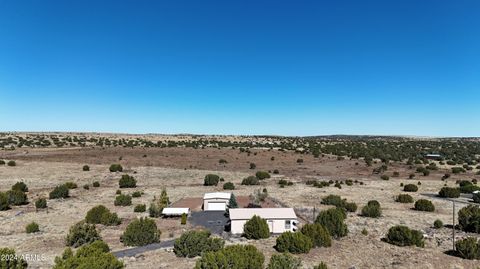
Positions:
{"x": 216, "y": 201}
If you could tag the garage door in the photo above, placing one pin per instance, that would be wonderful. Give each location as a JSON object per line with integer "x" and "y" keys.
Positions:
{"x": 216, "y": 206}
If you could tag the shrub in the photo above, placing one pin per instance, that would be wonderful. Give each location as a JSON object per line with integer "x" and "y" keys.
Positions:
{"x": 275, "y": 171}
{"x": 333, "y": 219}
{"x": 4, "y": 205}
{"x": 141, "y": 232}
{"x": 403, "y": 236}
{"x": 333, "y": 200}
{"x": 404, "y": 198}
{"x": 116, "y": 168}
{"x": 251, "y": 180}
{"x": 20, "y": 186}
{"x": 351, "y": 207}
{"x": 41, "y": 203}
{"x": 32, "y": 228}
{"x": 469, "y": 219}
{"x": 262, "y": 175}
{"x": 385, "y": 177}
{"x": 410, "y": 188}
{"x": 95, "y": 255}
{"x": 16, "y": 197}
{"x": 96, "y": 184}
{"x": 118, "y": 192}
{"x": 228, "y": 186}
{"x": 140, "y": 208}
{"x": 156, "y": 207}
{"x": 127, "y": 182}
{"x": 437, "y": 224}
{"x": 321, "y": 265}
{"x": 12, "y": 163}
{"x": 211, "y": 180}
{"x": 123, "y": 200}
{"x": 253, "y": 166}
{"x": 86, "y": 187}
{"x": 82, "y": 233}
{"x": 71, "y": 185}
{"x": 364, "y": 231}
{"x": 476, "y": 197}
{"x": 468, "y": 248}
{"x": 222, "y": 161}
{"x": 424, "y": 205}
{"x": 293, "y": 243}
{"x": 469, "y": 188}
{"x": 233, "y": 256}
{"x": 232, "y": 203}
{"x": 284, "y": 260}
{"x": 183, "y": 221}
{"x": 194, "y": 243}
{"x": 101, "y": 215}
{"x": 5, "y": 263}
{"x": 447, "y": 192}
{"x": 372, "y": 209}
{"x": 318, "y": 234}
{"x": 2, "y": 162}
{"x": 59, "y": 192}
{"x": 136, "y": 194}
{"x": 86, "y": 168}
{"x": 457, "y": 170}
{"x": 256, "y": 228}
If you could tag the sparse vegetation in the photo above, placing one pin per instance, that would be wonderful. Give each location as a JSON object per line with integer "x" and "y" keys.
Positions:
{"x": 32, "y": 227}
{"x": 59, "y": 192}
{"x": 123, "y": 200}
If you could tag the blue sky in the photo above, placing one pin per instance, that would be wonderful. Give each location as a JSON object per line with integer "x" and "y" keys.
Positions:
{"x": 403, "y": 67}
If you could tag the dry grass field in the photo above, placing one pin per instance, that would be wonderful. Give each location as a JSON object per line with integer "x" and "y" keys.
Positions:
{"x": 181, "y": 172}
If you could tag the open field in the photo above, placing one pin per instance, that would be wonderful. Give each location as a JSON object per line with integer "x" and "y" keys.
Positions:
{"x": 181, "y": 171}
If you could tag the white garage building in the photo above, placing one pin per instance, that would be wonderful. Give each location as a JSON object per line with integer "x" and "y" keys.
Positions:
{"x": 216, "y": 201}
{"x": 279, "y": 220}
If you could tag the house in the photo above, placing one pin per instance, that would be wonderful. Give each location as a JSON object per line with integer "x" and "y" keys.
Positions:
{"x": 175, "y": 211}
{"x": 216, "y": 201}
{"x": 279, "y": 220}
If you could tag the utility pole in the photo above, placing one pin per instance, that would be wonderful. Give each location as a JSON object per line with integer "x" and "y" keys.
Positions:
{"x": 453, "y": 214}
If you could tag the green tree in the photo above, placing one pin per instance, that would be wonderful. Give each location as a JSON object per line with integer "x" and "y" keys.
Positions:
{"x": 233, "y": 256}
{"x": 82, "y": 233}
{"x": 256, "y": 228}
{"x": 293, "y": 243}
{"x": 318, "y": 234}
{"x": 284, "y": 261}
{"x": 232, "y": 203}
{"x": 141, "y": 232}
{"x": 6, "y": 263}
{"x": 194, "y": 243}
{"x": 93, "y": 256}
{"x": 333, "y": 219}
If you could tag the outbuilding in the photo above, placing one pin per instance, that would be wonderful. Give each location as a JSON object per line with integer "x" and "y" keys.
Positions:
{"x": 279, "y": 220}
{"x": 175, "y": 211}
{"x": 216, "y": 201}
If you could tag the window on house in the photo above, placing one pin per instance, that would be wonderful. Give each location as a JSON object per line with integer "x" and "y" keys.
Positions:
{"x": 287, "y": 224}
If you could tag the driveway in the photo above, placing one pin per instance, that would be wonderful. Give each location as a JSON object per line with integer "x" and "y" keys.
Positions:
{"x": 214, "y": 221}
{"x": 131, "y": 252}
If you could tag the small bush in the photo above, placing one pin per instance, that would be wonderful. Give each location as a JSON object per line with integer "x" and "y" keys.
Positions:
{"x": 59, "y": 192}
{"x": 86, "y": 187}
{"x": 364, "y": 232}
{"x": 333, "y": 200}
{"x": 127, "y": 181}
{"x": 228, "y": 186}
{"x": 32, "y": 228}
{"x": 458, "y": 170}
{"x": 140, "y": 208}
{"x": 284, "y": 260}
{"x": 333, "y": 219}
{"x": 256, "y": 228}
{"x": 71, "y": 185}
{"x": 16, "y": 197}
{"x": 116, "y": 168}
{"x": 96, "y": 184}
{"x": 468, "y": 248}
{"x": 424, "y": 205}
{"x": 136, "y": 194}
{"x": 437, "y": 224}
{"x": 12, "y": 163}
{"x": 476, "y": 197}
{"x": 351, "y": 207}
{"x": 372, "y": 209}
{"x": 403, "y": 236}
{"x": 20, "y": 186}
{"x": 82, "y": 233}
{"x": 321, "y": 265}
{"x": 251, "y": 180}
{"x": 262, "y": 175}
{"x": 183, "y": 221}
{"x": 293, "y": 243}
{"x": 233, "y": 256}
{"x": 194, "y": 243}
{"x": 211, "y": 180}
{"x": 253, "y": 166}
{"x": 410, "y": 188}
{"x": 447, "y": 192}
{"x": 118, "y": 192}
{"x": 101, "y": 215}
{"x": 5, "y": 263}
{"x": 95, "y": 255}
{"x": 404, "y": 198}
{"x": 41, "y": 203}
{"x": 123, "y": 200}
{"x": 318, "y": 234}
{"x": 469, "y": 219}
{"x": 86, "y": 168}
{"x": 385, "y": 177}
{"x": 141, "y": 232}
{"x": 4, "y": 205}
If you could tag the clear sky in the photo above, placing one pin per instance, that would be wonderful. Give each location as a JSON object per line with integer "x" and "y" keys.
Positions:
{"x": 403, "y": 67}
